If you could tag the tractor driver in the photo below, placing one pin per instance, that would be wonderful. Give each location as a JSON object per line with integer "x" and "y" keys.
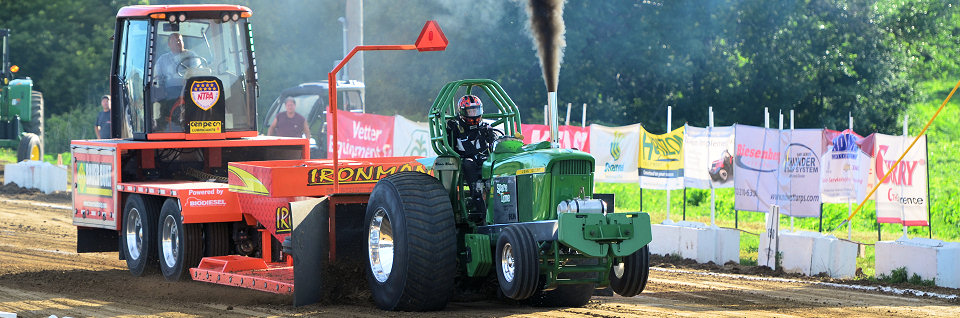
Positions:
{"x": 171, "y": 67}
{"x": 471, "y": 139}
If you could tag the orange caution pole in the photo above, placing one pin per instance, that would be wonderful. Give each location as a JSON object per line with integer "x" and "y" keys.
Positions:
{"x": 431, "y": 39}
{"x": 894, "y": 166}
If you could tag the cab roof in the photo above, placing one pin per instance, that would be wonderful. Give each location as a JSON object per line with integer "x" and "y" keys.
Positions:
{"x": 146, "y": 10}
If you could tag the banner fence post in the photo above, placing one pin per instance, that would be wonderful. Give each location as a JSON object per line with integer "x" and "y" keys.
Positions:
{"x": 821, "y": 217}
{"x": 684, "y": 203}
{"x": 929, "y": 219}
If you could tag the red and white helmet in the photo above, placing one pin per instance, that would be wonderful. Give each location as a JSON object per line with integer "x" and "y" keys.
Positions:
{"x": 471, "y": 109}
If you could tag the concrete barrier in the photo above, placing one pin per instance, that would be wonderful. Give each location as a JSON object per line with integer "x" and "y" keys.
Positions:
{"x": 31, "y": 174}
{"x": 930, "y": 259}
{"x": 812, "y": 253}
{"x": 696, "y": 241}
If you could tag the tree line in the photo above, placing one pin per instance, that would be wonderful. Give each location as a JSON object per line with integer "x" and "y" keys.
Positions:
{"x": 627, "y": 59}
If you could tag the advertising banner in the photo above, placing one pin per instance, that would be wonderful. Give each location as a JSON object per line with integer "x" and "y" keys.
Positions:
{"x": 756, "y": 162}
{"x": 411, "y": 138}
{"x": 571, "y": 137}
{"x": 845, "y": 167}
{"x": 708, "y": 157}
{"x": 902, "y": 198}
{"x": 616, "y": 151}
{"x": 362, "y": 135}
{"x": 798, "y": 174}
{"x": 661, "y": 160}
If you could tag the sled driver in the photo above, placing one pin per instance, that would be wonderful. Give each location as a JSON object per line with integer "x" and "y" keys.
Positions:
{"x": 471, "y": 139}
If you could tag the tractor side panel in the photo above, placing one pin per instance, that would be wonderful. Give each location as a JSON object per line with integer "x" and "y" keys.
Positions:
{"x": 94, "y": 178}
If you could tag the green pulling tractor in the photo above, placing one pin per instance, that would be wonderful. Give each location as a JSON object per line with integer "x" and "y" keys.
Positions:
{"x": 548, "y": 239}
{"x": 21, "y": 111}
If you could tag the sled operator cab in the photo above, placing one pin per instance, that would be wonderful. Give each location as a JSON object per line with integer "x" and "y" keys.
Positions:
{"x": 183, "y": 73}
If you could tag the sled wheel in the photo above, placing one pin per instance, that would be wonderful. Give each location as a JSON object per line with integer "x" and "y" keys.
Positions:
{"x": 629, "y": 276}
{"x": 139, "y": 231}
{"x": 411, "y": 243}
{"x": 181, "y": 246}
{"x": 517, "y": 264}
{"x": 216, "y": 239}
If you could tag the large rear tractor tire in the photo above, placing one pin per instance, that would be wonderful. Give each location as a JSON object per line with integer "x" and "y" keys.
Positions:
{"x": 411, "y": 243}
{"x": 629, "y": 276}
{"x": 566, "y": 295}
{"x": 517, "y": 263}
{"x": 35, "y": 126}
{"x": 139, "y": 230}
{"x": 181, "y": 245}
{"x": 30, "y": 148}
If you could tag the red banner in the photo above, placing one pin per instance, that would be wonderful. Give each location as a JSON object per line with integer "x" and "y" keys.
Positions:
{"x": 362, "y": 136}
{"x": 570, "y": 136}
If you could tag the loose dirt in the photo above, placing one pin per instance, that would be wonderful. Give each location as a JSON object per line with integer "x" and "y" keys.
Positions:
{"x": 41, "y": 275}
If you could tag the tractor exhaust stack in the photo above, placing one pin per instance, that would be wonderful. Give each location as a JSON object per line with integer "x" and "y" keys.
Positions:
{"x": 554, "y": 119}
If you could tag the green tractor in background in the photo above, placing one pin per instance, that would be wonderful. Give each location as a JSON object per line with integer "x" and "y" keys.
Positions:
{"x": 547, "y": 239}
{"x": 21, "y": 111}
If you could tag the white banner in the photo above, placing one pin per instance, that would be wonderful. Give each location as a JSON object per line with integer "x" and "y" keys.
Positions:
{"x": 708, "y": 157}
{"x": 798, "y": 174}
{"x": 411, "y": 138}
{"x": 616, "y": 150}
{"x": 902, "y": 198}
{"x": 756, "y": 162}
{"x": 845, "y": 168}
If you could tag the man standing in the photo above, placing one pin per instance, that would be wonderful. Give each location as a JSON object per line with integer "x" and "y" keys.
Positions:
{"x": 289, "y": 123}
{"x": 103, "y": 119}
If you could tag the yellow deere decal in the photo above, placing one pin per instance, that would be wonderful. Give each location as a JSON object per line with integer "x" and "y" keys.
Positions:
{"x": 531, "y": 170}
{"x": 250, "y": 185}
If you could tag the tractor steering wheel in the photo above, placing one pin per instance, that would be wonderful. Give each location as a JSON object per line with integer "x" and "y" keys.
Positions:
{"x": 190, "y": 62}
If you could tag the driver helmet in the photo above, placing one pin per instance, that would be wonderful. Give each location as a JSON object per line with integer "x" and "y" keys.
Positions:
{"x": 471, "y": 109}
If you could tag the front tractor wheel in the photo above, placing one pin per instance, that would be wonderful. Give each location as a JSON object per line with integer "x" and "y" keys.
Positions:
{"x": 517, "y": 263}
{"x": 411, "y": 243}
{"x": 629, "y": 276}
{"x": 181, "y": 245}
{"x": 139, "y": 232}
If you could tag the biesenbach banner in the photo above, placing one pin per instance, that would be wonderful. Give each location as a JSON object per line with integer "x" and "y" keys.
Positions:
{"x": 756, "y": 163}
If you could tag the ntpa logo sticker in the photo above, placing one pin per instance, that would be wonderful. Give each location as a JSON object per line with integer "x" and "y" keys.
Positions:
{"x": 205, "y": 94}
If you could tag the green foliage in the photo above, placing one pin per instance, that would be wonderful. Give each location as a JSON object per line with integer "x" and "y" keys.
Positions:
{"x": 897, "y": 276}
{"x": 78, "y": 123}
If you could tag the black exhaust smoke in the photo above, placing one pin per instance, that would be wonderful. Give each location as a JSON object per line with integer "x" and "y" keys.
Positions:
{"x": 546, "y": 27}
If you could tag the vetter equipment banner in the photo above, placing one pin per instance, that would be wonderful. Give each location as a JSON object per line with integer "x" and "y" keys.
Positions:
{"x": 411, "y": 138}
{"x": 362, "y": 135}
{"x": 571, "y": 137}
{"x": 615, "y": 150}
{"x": 756, "y": 163}
{"x": 798, "y": 176}
{"x": 902, "y": 198}
{"x": 708, "y": 157}
{"x": 661, "y": 160}
{"x": 845, "y": 167}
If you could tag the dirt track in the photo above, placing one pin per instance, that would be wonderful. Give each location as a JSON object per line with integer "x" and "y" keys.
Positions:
{"x": 40, "y": 275}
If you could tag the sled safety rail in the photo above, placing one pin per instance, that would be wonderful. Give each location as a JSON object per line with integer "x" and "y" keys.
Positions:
{"x": 246, "y": 272}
